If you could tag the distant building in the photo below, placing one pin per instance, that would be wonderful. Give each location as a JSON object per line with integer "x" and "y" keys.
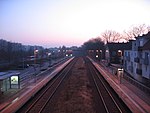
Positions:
{"x": 79, "y": 52}
{"x": 137, "y": 60}
{"x": 115, "y": 51}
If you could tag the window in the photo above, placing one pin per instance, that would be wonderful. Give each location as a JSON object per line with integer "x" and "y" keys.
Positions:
{"x": 146, "y": 68}
{"x": 140, "y": 55}
{"x": 113, "y": 53}
{"x": 125, "y": 53}
{"x": 141, "y": 43}
{"x": 146, "y": 55}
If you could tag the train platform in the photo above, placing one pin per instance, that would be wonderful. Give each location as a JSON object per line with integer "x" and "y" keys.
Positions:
{"x": 13, "y": 99}
{"x": 137, "y": 100}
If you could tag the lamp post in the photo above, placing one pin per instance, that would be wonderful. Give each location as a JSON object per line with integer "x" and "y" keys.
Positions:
{"x": 120, "y": 55}
{"x": 107, "y": 55}
{"x": 120, "y": 74}
{"x": 49, "y": 54}
{"x": 96, "y": 54}
{"x": 100, "y": 54}
{"x": 120, "y": 70}
{"x": 35, "y": 55}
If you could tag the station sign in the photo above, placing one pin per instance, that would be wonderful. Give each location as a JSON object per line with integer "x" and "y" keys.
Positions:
{"x": 14, "y": 80}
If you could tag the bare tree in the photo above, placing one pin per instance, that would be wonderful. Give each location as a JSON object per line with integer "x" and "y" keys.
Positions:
{"x": 148, "y": 28}
{"x": 128, "y": 35}
{"x": 111, "y": 36}
{"x": 140, "y": 30}
{"x": 136, "y": 31}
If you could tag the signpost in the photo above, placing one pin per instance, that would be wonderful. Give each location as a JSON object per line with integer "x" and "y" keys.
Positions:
{"x": 14, "y": 81}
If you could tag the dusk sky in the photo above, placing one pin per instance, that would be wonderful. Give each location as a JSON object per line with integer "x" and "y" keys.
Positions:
{"x": 53, "y": 23}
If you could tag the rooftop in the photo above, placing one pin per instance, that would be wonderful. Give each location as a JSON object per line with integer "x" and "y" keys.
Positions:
{"x": 146, "y": 46}
{"x": 120, "y": 46}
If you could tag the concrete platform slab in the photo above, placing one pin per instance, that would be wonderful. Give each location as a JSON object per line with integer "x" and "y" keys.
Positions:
{"x": 126, "y": 91}
{"x": 15, "y": 102}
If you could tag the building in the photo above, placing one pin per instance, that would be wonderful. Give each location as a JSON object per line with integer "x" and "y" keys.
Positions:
{"x": 115, "y": 51}
{"x": 136, "y": 60}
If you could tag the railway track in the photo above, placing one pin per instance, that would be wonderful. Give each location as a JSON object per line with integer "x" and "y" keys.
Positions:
{"x": 39, "y": 102}
{"x": 106, "y": 100}
{"x": 26, "y": 78}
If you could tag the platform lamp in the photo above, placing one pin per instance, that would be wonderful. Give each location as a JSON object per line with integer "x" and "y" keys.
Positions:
{"x": 35, "y": 55}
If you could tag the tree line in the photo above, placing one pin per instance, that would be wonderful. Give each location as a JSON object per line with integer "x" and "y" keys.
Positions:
{"x": 11, "y": 52}
{"x": 114, "y": 36}
{"x": 108, "y": 36}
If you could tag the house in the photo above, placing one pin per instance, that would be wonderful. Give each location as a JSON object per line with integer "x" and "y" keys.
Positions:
{"x": 115, "y": 51}
{"x": 146, "y": 60}
{"x": 137, "y": 60}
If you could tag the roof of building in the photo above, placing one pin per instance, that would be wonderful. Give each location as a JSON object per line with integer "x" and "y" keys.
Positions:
{"x": 5, "y": 75}
{"x": 145, "y": 35}
{"x": 119, "y": 46}
{"x": 146, "y": 46}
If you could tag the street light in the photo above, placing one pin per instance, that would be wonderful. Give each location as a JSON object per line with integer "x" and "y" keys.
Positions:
{"x": 49, "y": 54}
{"x": 100, "y": 54}
{"x": 120, "y": 74}
{"x": 35, "y": 55}
{"x": 120, "y": 55}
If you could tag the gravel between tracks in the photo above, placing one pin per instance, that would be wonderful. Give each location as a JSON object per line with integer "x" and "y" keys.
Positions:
{"x": 76, "y": 97}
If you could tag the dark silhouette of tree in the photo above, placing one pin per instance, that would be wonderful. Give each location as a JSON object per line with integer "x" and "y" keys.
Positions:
{"x": 96, "y": 46}
{"x": 111, "y": 36}
{"x": 128, "y": 35}
{"x": 14, "y": 53}
{"x": 9, "y": 52}
{"x": 148, "y": 28}
{"x": 136, "y": 31}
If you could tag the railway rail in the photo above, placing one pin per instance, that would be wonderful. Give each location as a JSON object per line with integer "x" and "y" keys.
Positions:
{"x": 106, "y": 99}
{"x": 39, "y": 102}
{"x": 24, "y": 78}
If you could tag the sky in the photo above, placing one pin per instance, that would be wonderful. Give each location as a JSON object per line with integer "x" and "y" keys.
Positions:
{"x": 53, "y": 23}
